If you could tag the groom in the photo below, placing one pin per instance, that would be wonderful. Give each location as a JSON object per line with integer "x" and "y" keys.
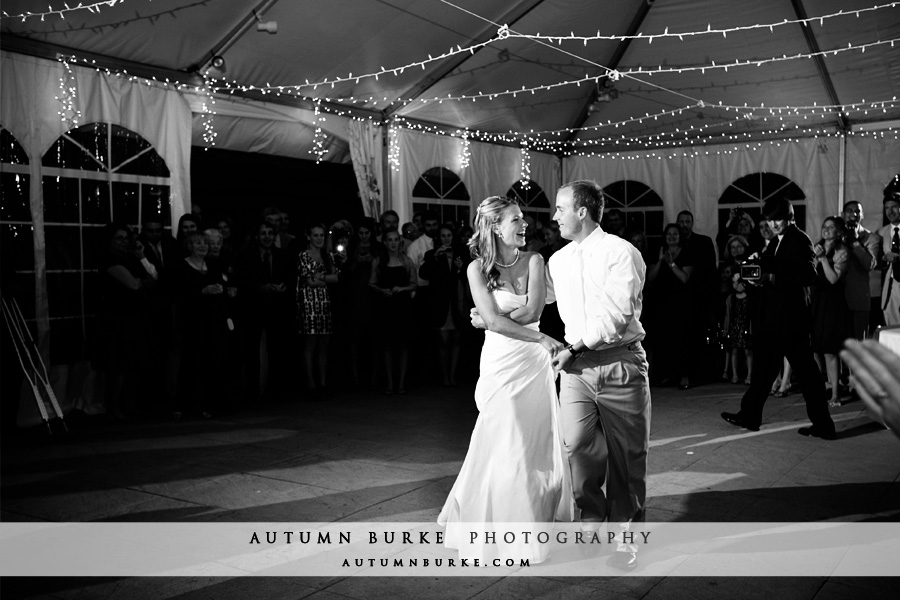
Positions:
{"x": 604, "y": 393}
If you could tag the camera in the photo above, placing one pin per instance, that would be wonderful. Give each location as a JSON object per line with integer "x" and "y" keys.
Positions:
{"x": 750, "y": 270}
{"x": 340, "y": 248}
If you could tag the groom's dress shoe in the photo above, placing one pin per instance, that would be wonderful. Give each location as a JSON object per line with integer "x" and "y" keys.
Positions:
{"x": 623, "y": 561}
{"x": 738, "y": 420}
{"x": 825, "y": 434}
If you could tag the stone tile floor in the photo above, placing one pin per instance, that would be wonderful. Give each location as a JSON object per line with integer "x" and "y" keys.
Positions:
{"x": 368, "y": 457}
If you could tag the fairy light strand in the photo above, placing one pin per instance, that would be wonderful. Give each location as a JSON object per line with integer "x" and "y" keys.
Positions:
{"x": 93, "y": 8}
{"x": 208, "y": 112}
{"x": 318, "y": 149}
{"x": 69, "y": 114}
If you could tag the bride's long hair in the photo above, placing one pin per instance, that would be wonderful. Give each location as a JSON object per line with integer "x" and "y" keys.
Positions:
{"x": 483, "y": 244}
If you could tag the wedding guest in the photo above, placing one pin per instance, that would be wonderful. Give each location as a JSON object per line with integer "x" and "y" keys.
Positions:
{"x": 362, "y": 252}
{"x": 442, "y": 268}
{"x": 890, "y": 244}
{"x": 831, "y": 323}
{"x": 316, "y": 271}
{"x": 203, "y": 326}
{"x": 188, "y": 223}
{"x": 393, "y": 279}
{"x": 263, "y": 273}
{"x": 125, "y": 276}
{"x": 739, "y": 329}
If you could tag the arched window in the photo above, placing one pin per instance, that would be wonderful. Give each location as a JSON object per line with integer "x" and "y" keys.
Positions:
{"x": 16, "y": 224}
{"x": 442, "y": 191}
{"x": 750, "y": 191}
{"x": 534, "y": 201}
{"x": 92, "y": 175}
{"x": 641, "y": 207}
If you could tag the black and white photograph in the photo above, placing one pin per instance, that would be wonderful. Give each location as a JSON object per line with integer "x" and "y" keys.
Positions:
{"x": 457, "y": 299}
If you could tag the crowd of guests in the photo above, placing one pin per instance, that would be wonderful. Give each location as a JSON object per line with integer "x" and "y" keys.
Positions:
{"x": 213, "y": 317}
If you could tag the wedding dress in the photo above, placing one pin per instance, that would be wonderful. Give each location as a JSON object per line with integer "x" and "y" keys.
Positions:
{"x": 516, "y": 470}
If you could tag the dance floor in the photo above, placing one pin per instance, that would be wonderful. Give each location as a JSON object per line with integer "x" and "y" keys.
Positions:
{"x": 369, "y": 457}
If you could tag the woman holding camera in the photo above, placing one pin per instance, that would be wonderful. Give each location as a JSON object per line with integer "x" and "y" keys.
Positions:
{"x": 668, "y": 280}
{"x": 830, "y": 315}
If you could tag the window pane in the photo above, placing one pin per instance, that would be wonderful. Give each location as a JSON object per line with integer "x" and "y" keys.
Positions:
{"x": 634, "y": 220}
{"x": 22, "y": 289}
{"x": 155, "y": 201}
{"x": 95, "y": 202}
{"x": 149, "y": 163}
{"x": 11, "y": 151}
{"x": 125, "y": 203}
{"x": 17, "y": 242}
{"x": 93, "y": 138}
{"x": 60, "y": 200}
{"x": 91, "y": 292}
{"x": 14, "y": 197}
{"x": 64, "y": 294}
{"x": 125, "y": 145}
{"x": 63, "y": 247}
{"x": 93, "y": 246}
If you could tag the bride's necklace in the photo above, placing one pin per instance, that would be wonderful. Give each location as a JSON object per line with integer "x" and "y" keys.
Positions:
{"x": 510, "y": 264}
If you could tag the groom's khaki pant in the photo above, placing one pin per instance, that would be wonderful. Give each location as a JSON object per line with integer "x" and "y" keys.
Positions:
{"x": 604, "y": 403}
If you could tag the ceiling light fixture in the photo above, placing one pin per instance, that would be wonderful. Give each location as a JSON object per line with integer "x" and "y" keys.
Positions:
{"x": 267, "y": 26}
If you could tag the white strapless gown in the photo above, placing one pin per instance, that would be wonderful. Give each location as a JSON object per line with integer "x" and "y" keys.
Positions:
{"x": 516, "y": 470}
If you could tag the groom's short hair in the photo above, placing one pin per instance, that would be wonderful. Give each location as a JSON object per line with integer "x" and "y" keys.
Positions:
{"x": 588, "y": 194}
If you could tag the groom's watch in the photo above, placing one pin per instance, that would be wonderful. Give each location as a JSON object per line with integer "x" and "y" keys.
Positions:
{"x": 573, "y": 352}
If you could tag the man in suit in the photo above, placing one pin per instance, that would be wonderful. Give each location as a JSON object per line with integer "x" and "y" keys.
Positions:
{"x": 161, "y": 365}
{"x": 864, "y": 250}
{"x": 702, "y": 252}
{"x": 781, "y": 328}
{"x": 263, "y": 274}
{"x": 890, "y": 236}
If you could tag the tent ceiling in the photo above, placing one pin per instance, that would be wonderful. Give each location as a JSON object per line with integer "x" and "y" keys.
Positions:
{"x": 327, "y": 39}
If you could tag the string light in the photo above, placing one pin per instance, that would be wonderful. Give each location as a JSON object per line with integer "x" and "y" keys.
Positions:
{"x": 93, "y": 8}
{"x": 394, "y": 147}
{"x": 318, "y": 150}
{"x": 559, "y": 39}
{"x": 466, "y": 155}
{"x": 587, "y": 79}
{"x": 68, "y": 94}
{"x": 525, "y": 171}
{"x": 207, "y": 112}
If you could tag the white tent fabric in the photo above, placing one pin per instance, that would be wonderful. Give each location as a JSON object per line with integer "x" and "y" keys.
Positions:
{"x": 491, "y": 171}
{"x": 696, "y": 183}
{"x": 366, "y": 149}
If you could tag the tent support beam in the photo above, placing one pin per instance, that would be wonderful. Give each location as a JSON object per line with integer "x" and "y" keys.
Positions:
{"x": 28, "y": 47}
{"x": 232, "y": 36}
{"x": 510, "y": 18}
{"x": 614, "y": 61}
{"x": 813, "y": 45}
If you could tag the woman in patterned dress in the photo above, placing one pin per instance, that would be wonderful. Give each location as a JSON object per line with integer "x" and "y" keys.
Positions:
{"x": 316, "y": 269}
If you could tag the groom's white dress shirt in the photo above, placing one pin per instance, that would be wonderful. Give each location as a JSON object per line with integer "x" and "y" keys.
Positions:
{"x": 598, "y": 286}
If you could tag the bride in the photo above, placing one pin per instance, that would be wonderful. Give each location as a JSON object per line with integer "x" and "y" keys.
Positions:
{"x": 515, "y": 470}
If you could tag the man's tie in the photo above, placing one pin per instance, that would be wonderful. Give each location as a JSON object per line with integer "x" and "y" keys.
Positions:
{"x": 895, "y": 248}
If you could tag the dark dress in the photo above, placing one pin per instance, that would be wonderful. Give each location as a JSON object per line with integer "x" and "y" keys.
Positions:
{"x": 122, "y": 320}
{"x": 669, "y": 325}
{"x": 393, "y": 315}
{"x": 204, "y": 326}
{"x": 830, "y": 315}
{"x": 446, "y": 297}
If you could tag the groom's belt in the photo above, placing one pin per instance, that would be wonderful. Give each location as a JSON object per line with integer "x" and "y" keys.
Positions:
{"x": 634, "y": 346}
